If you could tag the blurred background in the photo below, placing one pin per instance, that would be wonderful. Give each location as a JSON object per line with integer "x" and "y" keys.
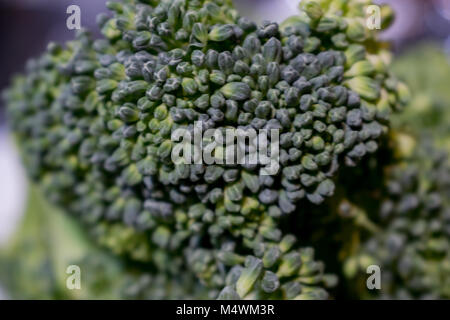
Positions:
{"x": 26, "y": 26}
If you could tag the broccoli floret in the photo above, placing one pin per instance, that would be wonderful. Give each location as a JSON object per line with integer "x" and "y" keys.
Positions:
{"x": 95, "y": 121}
{"x": 412, "y": 244}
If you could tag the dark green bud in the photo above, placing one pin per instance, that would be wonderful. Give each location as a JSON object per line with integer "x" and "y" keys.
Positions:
{"x": 271, "y": 257}
{"x": 128, "y": 113}
{"x": 270, "y": 282}
{"x": 198, "y": 58}
{"x": 272, "y": 50}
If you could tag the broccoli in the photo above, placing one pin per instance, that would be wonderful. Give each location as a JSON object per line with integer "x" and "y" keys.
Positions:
{"x": 94, "y": 121}
{"x": 409, "y": 184}
{"x": 34, "y": 266}
{"x": 411, "y": 243}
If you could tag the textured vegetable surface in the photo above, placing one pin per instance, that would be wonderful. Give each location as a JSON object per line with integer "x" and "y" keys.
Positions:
{"x": 35, "y": 264}
{"x": 393, "y": 210}
{"x": 94, "y": 121}
{"x": 409, "y": 198}
{"x": 409, "y": 231}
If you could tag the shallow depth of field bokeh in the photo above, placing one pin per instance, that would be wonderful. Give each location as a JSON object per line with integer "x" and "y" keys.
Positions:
{"x": 26, "y": 26}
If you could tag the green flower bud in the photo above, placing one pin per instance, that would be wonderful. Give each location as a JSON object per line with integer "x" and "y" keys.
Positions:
{"x": 234, "y": 192}
{"x": 218, "y": 77}
{"x": 198, "y": 58}
{"x": 292, "y": 289}
{"x": 230, "y": 258}
{"x": 354, "y": 53}
{"x": 360, "y": 68}
{"x": 147, "y": 166}
{"x": 190, "y": 86}
{"x": 366, "y": 87}
{"x": 189, "y": 19}
{"x": 286, "y": 243}
{"x": 128, "y": 113}
{"x": 248, "y": 277}
{"x": 312, "y": 9}
{"x": 249, "y": 205}
{"x": 326, "y": 188}
{"x": 290, "y": 265}
{"x": 308, "y": 163}
{"x": 251, "y": 181}
{"x": 221, "y": 33}
{"x": 165, "y": 149}
{"x": 106, "y": 86}
{"x": 270, "y": 282}
{"x": 213, "y": 173}
{"x": 154, "y": 93}
{"x": 311, "y": 44}
{"x": 340, "y": 41}
{"x": 236, "y": 91}
{"x": 356, "y": 30}
{"x": 200, "y": 32}
{"x": 272, "y": 50}
{"x": 161, "y": 112}
{"x": 271, "y": 257}
{"x": 82, "y": 84}
{"x": 327, "y": 24}
{"x": 252, "y": 45}
{"x": 131, "y": 175}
